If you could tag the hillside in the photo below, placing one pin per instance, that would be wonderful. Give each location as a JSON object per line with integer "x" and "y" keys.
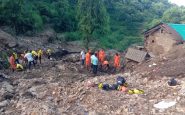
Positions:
{"x": 62, "y": 86}
{"x": 113, "y": 24}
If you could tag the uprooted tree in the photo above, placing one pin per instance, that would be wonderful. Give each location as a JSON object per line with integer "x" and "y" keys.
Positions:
{"x": 93, "y": 19}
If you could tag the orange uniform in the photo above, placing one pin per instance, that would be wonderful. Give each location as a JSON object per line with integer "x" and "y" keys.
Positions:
{"x": 88, "y": 59}
{"x": 101, "y": 56}
{"x": 12, "y": 62}
{"x": 116, "y": 61}
{"x": 105, "y": 63}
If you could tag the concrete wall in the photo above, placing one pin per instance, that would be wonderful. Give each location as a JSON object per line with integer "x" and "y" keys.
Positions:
{"x": 159, "y": 42}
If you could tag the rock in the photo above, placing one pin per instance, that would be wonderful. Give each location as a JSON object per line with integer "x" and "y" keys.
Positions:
{"x": 6, "y": 39}
{"x": 6, "y": 91}
{"x": 4, "y": 77}
{"x": 72, "y": 58}
{"x": 8, "y": 88}
{"x": 38, "y": 91}
{"x": 93, "y": 113}
{"x": 59, "y": 54}
{"x": 12, "y": 44}
{"x": 61, "y": 67}
{"x": 48, "y": 35}
{"x": 4, "y": 103}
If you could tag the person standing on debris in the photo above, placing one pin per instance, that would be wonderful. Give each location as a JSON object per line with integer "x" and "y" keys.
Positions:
{"x": 30, "y": 59}
{"x": 35, "y": 56}
{"x": 105, "y": 65}
{"x": 101, "y": 56}
{"x": 16, "y": 57}
{"x": 95, "y": 63}
{"x": 40, "y": 53}
{"x": 82, "y": 57}
{"x": 12, "y": 62}
{"x": 88, "y": 59}
{"x": 117, "y": 61}
{"x": 48, "y": 52}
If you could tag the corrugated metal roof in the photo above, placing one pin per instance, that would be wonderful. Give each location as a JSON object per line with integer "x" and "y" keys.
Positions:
{"x": 179, "y": 28}
{"x": 135, "y": 55}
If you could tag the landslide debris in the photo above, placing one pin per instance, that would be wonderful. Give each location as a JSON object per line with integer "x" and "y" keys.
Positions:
{"x": 61, "y": 87}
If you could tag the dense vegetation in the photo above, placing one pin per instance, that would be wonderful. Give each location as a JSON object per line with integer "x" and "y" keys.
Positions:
{"x": 111, "y": 23}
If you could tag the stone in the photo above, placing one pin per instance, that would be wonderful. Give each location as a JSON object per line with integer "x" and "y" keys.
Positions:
{"x": 4, "y": 103}
{"x": 12, "y": 44}
{"x": 61, "y": 67}
{"x": 9, "y": 88}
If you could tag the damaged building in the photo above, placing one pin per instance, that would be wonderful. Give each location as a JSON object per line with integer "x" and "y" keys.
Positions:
{"x": 158, "y": 40}
{"x": 161, "y": 38}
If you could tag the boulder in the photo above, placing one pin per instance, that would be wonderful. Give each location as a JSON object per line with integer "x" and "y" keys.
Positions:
{"x": 12, "y": 44}
{"x": 48, "y": 35}
{"x": 59, "y": 53}
{"x": 4, "y": 103}
{"x": 7, "y": 40}
{"x": 6, "y": 89}
{"x": 72, "y": 58}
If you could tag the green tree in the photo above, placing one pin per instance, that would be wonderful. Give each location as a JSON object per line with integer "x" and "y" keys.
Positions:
{"x": 93, "y": 19}
{"x": 174, "y": 15}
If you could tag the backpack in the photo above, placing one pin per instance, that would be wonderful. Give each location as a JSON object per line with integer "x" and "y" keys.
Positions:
{"x": 106, "y": 87}
{"x": 120, "y": 80}
{"x": 172, "y": 82}
{"x": 113, "y": 87}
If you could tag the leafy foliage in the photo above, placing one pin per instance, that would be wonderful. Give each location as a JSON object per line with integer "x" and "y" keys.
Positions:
{"x": 93, "y": 19}
{"x": 111, "y": 23}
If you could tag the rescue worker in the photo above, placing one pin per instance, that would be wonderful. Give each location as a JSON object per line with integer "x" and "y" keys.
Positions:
{"x": 88, "y": 59}
{"x": 117, "y": 61}
{"x": 35, "y": 56}
{"x": 23, "y": 60}
{"x": 12, "y": 63}
{"x": 40, "y": 53}
{"x": 16, "y": 57}
{"x": 30, "y": 59}
{"x": 95, "y": 64}
{"x": 19, "y": 67}
{"x": 82, "y": 57}
{"x": 48, "y": 53}
{"x": 102, "y": 56}
{"x": 105, "y": 65}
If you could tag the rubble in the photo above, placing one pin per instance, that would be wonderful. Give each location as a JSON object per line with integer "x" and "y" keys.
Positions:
{"x": 61, "y": 89}
{"x": 7, "y": 40}
{"x": 64, "y": 87}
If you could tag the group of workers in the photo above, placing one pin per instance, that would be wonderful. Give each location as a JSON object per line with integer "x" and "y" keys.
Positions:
{"x": 28, "y": 58}
{"x": 98, "y": 59}
{"x": 91, "y": 60}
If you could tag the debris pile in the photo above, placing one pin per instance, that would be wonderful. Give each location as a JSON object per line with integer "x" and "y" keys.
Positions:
{"x": 63, "y": 87}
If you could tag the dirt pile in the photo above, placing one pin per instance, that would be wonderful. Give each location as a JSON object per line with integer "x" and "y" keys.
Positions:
{"x": 7, "y": 40}
{"x": 61, "y": 87}
{"x": 43, "y": 90}
{"x": 115, "y": 102}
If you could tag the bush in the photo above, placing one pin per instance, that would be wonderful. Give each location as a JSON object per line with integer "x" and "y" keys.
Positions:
{"x": 4, "y": 63}
{"x": 72, "y": 36}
